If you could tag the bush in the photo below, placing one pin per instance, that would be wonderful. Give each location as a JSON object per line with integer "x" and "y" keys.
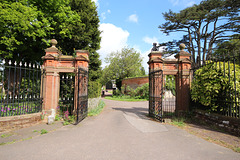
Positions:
{"x": 170, "y": 84}
{"x": 140, "y": 92}
{"x": 211, "y": 87}
{"x": 94, "y": 89}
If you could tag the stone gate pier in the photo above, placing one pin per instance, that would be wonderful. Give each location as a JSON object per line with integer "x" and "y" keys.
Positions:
{"x": 54, "y": 63}
{"x": 158, "y": 69}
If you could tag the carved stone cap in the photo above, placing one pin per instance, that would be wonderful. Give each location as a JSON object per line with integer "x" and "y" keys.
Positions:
{"x": 53, "y": 48}
{"x": 156, "y": 53}
{"x": 182, "y": 46}
{"x": 82, "y": 51}
{"x": 182, "y": 52}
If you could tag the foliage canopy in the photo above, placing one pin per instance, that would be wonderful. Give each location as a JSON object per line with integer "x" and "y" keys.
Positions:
{"x": 203, "y": 25}
{"x": 122, "y": 64}
{"x": 26, "y": 26}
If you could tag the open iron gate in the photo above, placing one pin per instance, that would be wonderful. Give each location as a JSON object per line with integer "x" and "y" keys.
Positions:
{"x": 82, "y": 94}
{"x": 156, "y": 94}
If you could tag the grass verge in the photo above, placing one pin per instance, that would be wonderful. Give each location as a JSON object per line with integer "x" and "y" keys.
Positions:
{"x": 206, "y": 131}
{"x": 180, "y": 122}
{"x": 125, "y": 98}
{"x": 96, "y": 111}
{"x": 6, "y": 135}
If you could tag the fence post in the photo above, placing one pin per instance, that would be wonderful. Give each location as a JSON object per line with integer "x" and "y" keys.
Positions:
{"x": 51, "y": 78}
{"x": 183, "y": 80}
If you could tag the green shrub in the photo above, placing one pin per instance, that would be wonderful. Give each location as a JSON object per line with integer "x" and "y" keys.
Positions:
{"x": 211, "y": 87}
{"x": 94, "y": 89}
{"x": 43, "y": 131}
{"x": 170, "y": 84}
{"x": 118, "y": 92}
{"x": 140, "y": 92}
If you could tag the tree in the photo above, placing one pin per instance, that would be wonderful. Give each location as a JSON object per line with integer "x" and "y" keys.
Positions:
{"x": 228, "y": 48}
{"x": 22, "y": 30}
{"x": 27, "y": 25}
{"x": 122, "y": 64}
{"x": 95, "y": 70}
{"x": 203, "y": 25}
{"x": 88, "y": 36}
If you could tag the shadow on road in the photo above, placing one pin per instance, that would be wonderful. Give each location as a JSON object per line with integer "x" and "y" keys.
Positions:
{"x": 140, "y": 112}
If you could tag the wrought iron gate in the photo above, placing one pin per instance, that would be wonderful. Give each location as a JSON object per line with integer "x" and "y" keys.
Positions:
{"x": 155, "y": 94}
{"x": 169, "y": 96}
{"x": 66, "y": 99}
{"x": 82, "y": 94}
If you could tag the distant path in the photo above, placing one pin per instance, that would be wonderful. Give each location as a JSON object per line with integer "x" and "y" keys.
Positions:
{"x": 121, "y": 132}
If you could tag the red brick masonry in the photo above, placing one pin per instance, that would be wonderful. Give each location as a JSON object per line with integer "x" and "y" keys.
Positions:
{"x": 135, "y": 82}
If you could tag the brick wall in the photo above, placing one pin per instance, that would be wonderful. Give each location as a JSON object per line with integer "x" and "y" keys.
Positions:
{"x": 135, "y": 82}
{"x": 16, "y": 122}
{"x": 228, "y": 124}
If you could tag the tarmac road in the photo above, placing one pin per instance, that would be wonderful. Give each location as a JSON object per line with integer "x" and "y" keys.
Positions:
{"x": 121, "y": 132}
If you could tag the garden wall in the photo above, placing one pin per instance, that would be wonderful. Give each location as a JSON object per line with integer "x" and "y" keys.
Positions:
{"x": 16, "y": 122}
{"x": 93, "y": 103}
{"x": 228, "y": 124}
{"x": 135, "y": 82}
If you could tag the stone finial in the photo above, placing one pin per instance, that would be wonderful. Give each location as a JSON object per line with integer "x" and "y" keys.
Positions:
{"x": 182, "y": 46}
{"x": 53, "y": 49}
{"x": 53, "y": 42}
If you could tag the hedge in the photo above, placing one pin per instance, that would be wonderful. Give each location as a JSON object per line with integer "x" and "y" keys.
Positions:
{"x": 94, "y": 89}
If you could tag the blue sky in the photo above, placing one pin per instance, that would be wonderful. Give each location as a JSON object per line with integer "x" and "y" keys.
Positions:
{"x": 134, "y": 23}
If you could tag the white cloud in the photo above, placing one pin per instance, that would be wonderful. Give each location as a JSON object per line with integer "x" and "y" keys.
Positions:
{"x": 113, "y": 38}
{"x": 150, "y": 40}
{"x": 185, "y": 3}
{"x": 133, "y": 18}
{"x": 145, "y": 60}
{"x": 190, "y": 3}
{"x": 174, "y": 2}
{"x": 103, "y": 15}
{"x": 96, "y": 2}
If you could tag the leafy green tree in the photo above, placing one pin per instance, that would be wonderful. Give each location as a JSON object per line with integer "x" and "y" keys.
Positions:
{"x": 122, "y": 64}
{"x": 203, "y": 25}
{"x": 88, "y": 36}
{"x": 27, "y": 25}
{"x": 22, "y": 30}
{"x": 228, "y": 48}
{"x": 95, "y": 70}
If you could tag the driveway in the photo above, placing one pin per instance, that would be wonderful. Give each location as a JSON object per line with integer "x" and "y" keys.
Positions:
{"x": 121, "y": 132}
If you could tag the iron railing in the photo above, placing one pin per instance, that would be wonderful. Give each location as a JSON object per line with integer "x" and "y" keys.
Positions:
{"x": 20, "y": 88}
{"x": 228, "y": 101}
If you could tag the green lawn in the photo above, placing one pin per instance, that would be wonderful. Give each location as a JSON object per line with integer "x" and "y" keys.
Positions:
{"x": 125, "y": 98}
